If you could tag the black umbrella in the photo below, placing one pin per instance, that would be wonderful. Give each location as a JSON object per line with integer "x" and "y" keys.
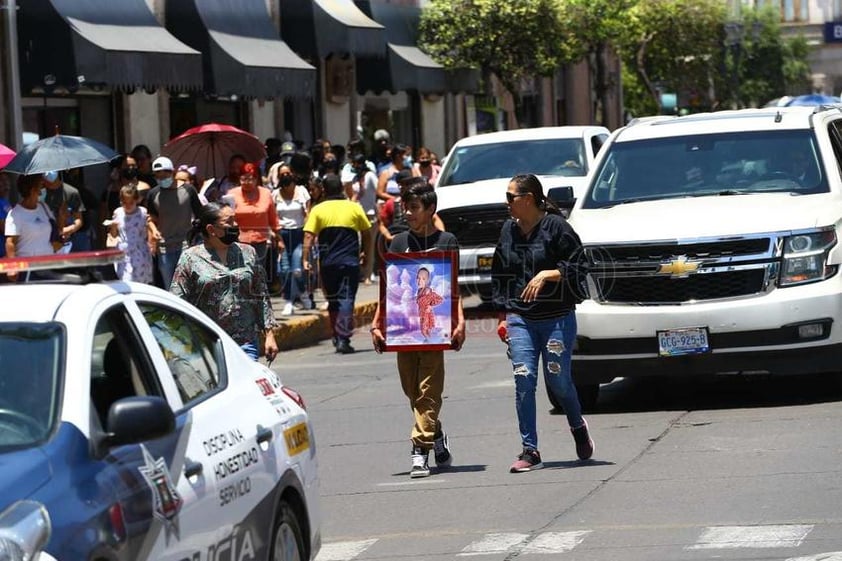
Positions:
{"x": 60, "y": 152}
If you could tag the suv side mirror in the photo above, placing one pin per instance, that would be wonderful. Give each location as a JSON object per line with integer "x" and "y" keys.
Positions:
{"x": 139, "y": 418}
{"x": 562, "y": 196}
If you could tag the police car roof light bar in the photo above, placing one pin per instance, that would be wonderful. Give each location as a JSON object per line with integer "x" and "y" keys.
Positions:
{"x": 80, "y": 260}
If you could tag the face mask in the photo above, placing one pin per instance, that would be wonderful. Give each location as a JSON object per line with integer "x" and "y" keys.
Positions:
{"x": 42, "y": 196}
{"x": 165, "y": 183}
{"x": 285, "y": 180}
{"x": 129, "y": 173}
{"x": 51, "y": 176}
{"x": 407, "y": 161}
{"x": 232, "y": 234}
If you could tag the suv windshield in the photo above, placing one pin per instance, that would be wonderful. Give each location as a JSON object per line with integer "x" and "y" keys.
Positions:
{"x": 708, "y": 165}
{"x": 31, "y": 359}
{"x": 553, "y": 156}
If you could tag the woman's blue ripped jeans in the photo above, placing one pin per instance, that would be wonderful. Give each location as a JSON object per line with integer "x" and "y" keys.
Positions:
{"x": 551, "y": 340}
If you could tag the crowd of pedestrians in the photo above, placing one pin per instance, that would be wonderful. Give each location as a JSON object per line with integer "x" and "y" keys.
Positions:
{"x": 312, "y": 219}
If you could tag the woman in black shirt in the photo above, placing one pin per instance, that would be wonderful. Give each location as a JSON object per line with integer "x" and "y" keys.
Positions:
{"x": 535, "y": 283}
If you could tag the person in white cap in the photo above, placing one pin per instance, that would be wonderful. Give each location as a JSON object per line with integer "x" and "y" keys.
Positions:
{"x": 171, "y": 212}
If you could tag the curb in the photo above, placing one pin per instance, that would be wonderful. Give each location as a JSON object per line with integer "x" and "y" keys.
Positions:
{"x": 307, "y": 331}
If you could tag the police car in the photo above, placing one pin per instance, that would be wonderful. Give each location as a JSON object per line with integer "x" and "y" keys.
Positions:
{"x": 132, "y": 427}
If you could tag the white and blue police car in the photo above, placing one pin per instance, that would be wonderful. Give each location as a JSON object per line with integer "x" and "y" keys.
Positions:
{"x": 133, "y": 427}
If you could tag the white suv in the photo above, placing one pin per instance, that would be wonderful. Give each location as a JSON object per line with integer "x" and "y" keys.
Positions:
{"x": 472, "y": 185}
{"x": 713, "y": 246}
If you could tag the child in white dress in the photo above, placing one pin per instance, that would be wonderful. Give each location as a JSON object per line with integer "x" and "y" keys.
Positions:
{"x": 130, "y": 224}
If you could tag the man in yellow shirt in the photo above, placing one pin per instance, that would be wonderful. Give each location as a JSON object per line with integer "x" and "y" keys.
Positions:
{"x": 337, "y": 222}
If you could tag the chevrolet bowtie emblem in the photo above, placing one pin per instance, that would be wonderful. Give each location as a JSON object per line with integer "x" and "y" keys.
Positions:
{"x": 678, "y": 267}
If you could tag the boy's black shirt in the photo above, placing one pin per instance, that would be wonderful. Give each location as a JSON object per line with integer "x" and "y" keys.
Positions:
{"x": 409, "y": 242}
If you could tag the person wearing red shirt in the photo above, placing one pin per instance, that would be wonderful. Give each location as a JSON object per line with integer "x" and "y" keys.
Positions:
{"x": 256, "y": 216}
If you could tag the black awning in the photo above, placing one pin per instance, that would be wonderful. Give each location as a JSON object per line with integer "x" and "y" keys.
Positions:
{"x": 68, "y": 43}
{"x": 409, "y": 68}
{"x": 243, "y": 52}
{"x": 319, "y": 28}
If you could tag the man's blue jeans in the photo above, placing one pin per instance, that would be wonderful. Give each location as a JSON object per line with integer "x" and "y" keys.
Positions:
{"x": 340, "y": 283}
{"x": 290, "y": 265}
{"x": 551, "y": 340}
{"x": 166, "y": 265}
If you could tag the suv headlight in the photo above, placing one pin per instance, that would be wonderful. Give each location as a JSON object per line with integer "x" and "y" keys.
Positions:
{"x": 24, "y": 531}
{"x": 805, "y": 258}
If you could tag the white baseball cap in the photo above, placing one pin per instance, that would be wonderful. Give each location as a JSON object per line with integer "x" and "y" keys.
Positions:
{"x": 162, "y": 163}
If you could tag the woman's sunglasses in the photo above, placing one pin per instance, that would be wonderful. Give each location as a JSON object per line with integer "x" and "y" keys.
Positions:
{"x": 510, "y": 197}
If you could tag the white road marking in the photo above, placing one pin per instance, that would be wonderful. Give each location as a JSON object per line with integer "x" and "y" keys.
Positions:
{"x": 555, "y": 542}
{"x": 830, "y": 556}
{"x": 413, "y": 482}
{"x": 343, "y": 551}
{"x": 727, "y": 537}
{"x": 508, "y": 382}
{"x": 494, "y": 543}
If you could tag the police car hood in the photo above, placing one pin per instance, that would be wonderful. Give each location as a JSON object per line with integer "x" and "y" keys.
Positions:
{"x": 491, "y": 191}
{"x": 24, "y": 472}
{"x": 701, "y": 217}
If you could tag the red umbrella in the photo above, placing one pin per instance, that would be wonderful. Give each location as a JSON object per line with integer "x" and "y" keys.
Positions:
{"x": 210, "y": 146}
{"x": 6, "y": 155}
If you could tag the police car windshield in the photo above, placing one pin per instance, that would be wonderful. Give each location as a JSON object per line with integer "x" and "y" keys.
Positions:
{"x": 554, "y": 156}
{"x": 708, "y": 165}
{"x": 31, "y": 359}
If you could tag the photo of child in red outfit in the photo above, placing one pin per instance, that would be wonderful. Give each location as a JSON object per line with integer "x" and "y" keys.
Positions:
{"x": 418, "y": 300}
{"x": 426, "y": 299}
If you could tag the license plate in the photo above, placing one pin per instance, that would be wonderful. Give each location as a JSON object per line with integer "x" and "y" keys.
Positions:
{"x": 297, "y": 439}
{"x": 484, "y": 262}
{"x": 686, "y": 341}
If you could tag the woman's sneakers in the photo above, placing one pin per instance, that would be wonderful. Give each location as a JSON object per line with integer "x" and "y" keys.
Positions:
{"x": 584, "y": 443}
{"x": 528, "y": 460}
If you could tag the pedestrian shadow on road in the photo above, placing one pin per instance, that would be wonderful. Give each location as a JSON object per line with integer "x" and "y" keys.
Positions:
{"x": 468, "y": 468}
{"x": 569, "y": 464}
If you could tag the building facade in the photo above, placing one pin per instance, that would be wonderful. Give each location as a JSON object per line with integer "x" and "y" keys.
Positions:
{"x": 129, "y": 72}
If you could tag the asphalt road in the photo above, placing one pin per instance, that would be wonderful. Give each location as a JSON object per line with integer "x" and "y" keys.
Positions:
{"x": 719, "y": 468}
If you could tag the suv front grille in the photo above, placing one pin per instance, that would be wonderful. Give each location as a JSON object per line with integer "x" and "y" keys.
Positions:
{"x": 660, "y": 252}
{"x": 476, "y": 226}
{"x": 663, "y": 289}
{"x": 675, "y": 273}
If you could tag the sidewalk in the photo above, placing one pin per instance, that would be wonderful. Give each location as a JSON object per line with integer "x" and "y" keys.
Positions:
{"x": 307, "y": 327}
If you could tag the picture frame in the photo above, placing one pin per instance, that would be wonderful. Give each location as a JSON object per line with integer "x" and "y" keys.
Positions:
{"x": 419, "y": 319}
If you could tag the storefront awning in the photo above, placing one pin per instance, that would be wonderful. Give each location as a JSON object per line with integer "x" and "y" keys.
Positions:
{"x": 243, "y": 52}
{"x": 408, "y": 68}
{"x": 73, "y": 43}
{"x": 319, "y": 28}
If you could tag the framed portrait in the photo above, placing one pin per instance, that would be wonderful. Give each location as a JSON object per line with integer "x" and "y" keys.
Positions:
{"x": 419, "y": 300}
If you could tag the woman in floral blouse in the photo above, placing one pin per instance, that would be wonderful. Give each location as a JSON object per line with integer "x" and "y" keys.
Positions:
{"x": 223, "y": 278}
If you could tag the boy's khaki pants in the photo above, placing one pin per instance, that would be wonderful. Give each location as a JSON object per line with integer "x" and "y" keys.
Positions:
{"x": 422, "y": 379}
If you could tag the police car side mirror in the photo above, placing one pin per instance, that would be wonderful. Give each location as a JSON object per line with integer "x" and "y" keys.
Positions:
{"x": 137, "y": 419}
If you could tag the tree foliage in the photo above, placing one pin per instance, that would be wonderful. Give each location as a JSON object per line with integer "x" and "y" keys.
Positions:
{"x": 688, "y": 47}
{"x": 512, "y": 39}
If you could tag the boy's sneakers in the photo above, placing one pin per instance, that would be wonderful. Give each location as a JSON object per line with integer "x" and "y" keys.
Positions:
{"x": 441, "y": 450}
{"x": 287, "y": 311}
{"x": 306, "y": 304}
{"x": 528, "y": 460}
{"x": 420, "y": 466}
{"x": 584, "y": 443}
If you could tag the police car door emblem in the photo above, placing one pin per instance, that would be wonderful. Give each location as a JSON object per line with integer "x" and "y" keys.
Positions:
{"x": 166, "y": 500}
